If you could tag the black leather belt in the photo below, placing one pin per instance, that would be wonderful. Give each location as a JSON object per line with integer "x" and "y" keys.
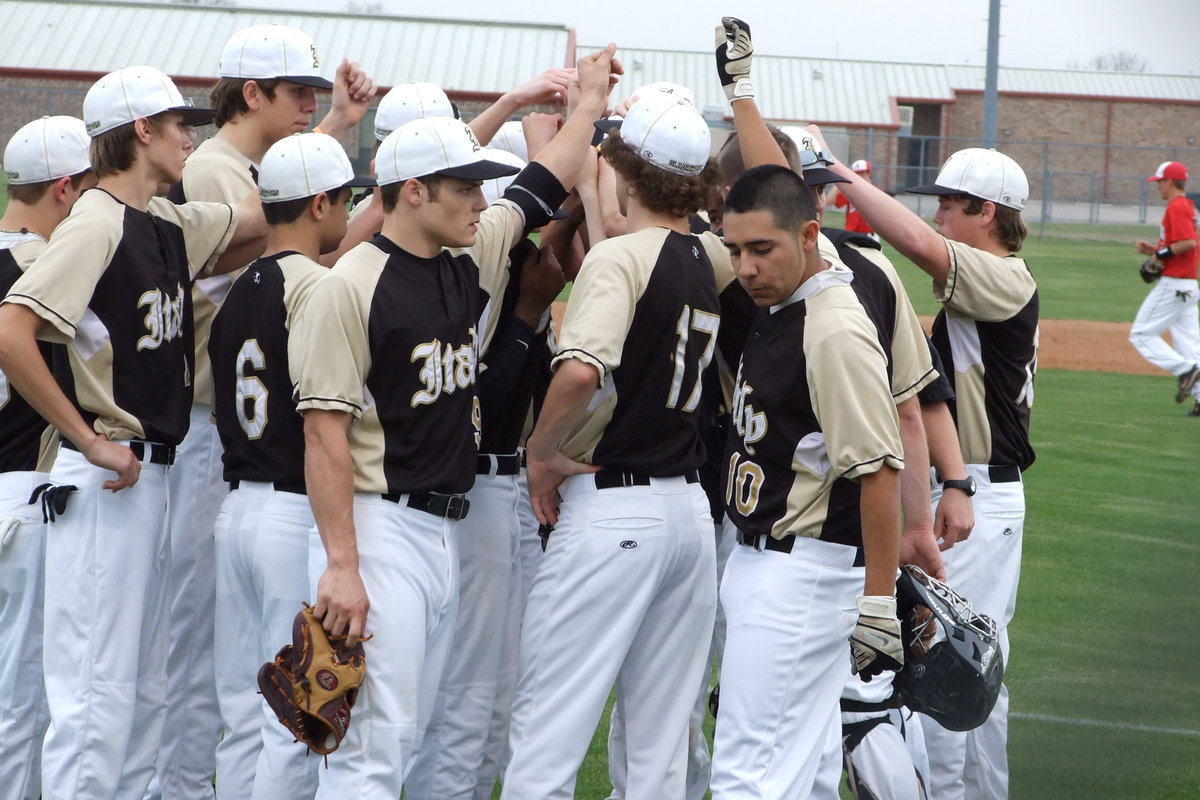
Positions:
{"x": 510, "y": 464}
{"x": 617, "y": 478}
{"x": 290, "y": 487}
{"x": 765, "y": 541}
{"x": 163, "y": 454}
{"x": 446, "y": 506}
{"x": 1008, "y": 473}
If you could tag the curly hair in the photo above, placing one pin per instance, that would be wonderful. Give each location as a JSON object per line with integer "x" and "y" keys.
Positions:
{"x": 658, "y": 190}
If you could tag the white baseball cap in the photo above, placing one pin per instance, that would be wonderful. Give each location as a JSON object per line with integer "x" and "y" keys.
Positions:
{"x": 132, "y": 93}
{"x": 494, "y": 188}
{"x": 408, "y": 101}
{"x": 435, "y": 145}
{"x": 303, "y": 165}
{"x": 270, "y": 52}
{"x": 986, "y": 174}
{"x": 669, "y": 133}
{"x": 861, "y": 165}
{"x": 47, "y": 149}
{"x": 511, "y": 137}
{"x": 667, "y": 88}
{"x": 814, "y": 159}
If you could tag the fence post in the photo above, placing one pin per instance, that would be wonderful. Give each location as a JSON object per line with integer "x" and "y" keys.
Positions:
{"x": 921, "y": 140}
{"x": 1045, "y": 189}
{"x": 1145, "y": 200}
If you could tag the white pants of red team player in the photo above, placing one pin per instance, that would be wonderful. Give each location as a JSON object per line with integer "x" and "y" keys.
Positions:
{"x": 262, "y": 581}
{"x": 23, "y": 712}
{"x": 409, "y": 565}
{"x": 453, "y": 750}
{"x": 625, "y": 595}
{"x": 187, "y": 756}
{"x": 984, "y": 569}
{"x": 105, "y": 643}
{"x": 788, "y": 620}
{"x": 1171, "y": 305}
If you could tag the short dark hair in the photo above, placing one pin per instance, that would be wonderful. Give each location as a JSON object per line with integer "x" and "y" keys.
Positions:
{"x": 776, "y": 189}
{"x": 31, "y": 193}
{"x": 114, "y": 151}
{"x": 729, "y": 159}
{"x": 227, "y": 100}
{"x": 1180, "y": 185}
{"x": 390, "y": 193}
{"x": 658, "y": 190}
{"x": 1010, "y": 228}
{"x": 290, "y": 210}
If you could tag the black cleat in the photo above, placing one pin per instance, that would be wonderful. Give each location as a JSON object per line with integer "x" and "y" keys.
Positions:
{"x": 1186, "y": 381}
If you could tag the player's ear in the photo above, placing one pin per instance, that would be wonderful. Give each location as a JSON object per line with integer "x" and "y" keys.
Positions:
{"x": 60, "y": 187}
{"x": 987, "y": 213}
{"x": 808, "y": 234}
{"x": 413, "y": 192}
{"x": 143, "y": 129}
{"x": 319, "y": 206}
{"x": 252, "y": 95}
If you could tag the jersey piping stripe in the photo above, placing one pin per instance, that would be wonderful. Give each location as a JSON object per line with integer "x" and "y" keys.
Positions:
{"x": 46, "y": 307}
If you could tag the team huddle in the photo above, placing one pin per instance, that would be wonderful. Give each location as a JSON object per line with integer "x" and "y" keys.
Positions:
{"x": 230, "y": 388}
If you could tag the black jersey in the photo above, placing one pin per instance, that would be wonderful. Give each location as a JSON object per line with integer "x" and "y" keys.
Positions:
{"x": 21, "y": 427}
{"x": 114, "y": 284}
{"x": 812, "y": 412}
{"x": 987, "y": 336}
{"x": 261, "y": 432}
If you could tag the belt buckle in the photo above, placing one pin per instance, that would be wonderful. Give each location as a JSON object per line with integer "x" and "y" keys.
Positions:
{"x": 456, "y": 507}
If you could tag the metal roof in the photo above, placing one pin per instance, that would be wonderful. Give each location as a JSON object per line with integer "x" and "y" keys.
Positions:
{"x": 186, "y": 41}
{"x": 863, "y": 93}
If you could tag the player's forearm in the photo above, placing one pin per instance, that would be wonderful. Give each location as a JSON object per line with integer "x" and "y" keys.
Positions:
{"x": 487, "y": 124}
{"x": 914, "y": 478}
{"x": 880, "y": 513}
{"x": 22, "y": 364}
{"x": 942, "y": 437}
{"x": 566, "y": 402}
{"x": 757, "y": 144}
{"x": 329, "y": 481}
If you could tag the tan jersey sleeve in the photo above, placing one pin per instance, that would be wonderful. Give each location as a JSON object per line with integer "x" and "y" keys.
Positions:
{"x": 217, "y": 177}
{"x": 603, "y": 299}
{"x": 848, "y": 386}
{"x": 983, "y": 286}
{"x": 207, "y": 229}
{"x": 912, "y": 368}
{"x": 300, "y": 278}
{"x": 718, "y": 254}
{"x": 27, "y": 252}
{"x": 329, "y": 351}
{"x": 59, "y": 286}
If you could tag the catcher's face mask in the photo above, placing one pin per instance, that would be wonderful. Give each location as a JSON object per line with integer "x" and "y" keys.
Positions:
{"x": 952, "y": 660}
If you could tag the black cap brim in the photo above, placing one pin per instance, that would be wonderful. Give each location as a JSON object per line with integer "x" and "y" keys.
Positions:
{"x": 195, "y": 116}
{"x": 483, "y": 170}
{"x": 934, "y": 189}
{"x": 819, "y": 176}
{"x": 315, "y": 81}
{"x": 606, "y": 125}
{"x": 360, "y": 182}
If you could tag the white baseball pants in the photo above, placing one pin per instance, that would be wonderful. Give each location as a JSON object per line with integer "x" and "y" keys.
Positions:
{"x": 529, "y": 556}
{"x": 984, "y": 569}
{"x": 1171, "y": 305}
{"x": 409, "y": 565}
{"x": 261, "y": 542}
{"x": 788, "y": 620}
{"x": 625, "y": 595}
{"x": 23, "y": 712}
{"x": 453, "y": 750}
{"x": 105, "y": 636}
{"x": 187, "y": 756}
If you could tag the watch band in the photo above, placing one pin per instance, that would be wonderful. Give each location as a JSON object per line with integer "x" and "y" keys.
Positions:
{"x": 965, "y": 484}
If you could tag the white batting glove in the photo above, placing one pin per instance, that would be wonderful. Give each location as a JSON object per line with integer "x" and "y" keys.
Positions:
{"x": 734, "y": 49}
{"x": 8, "y": 529}
{"x": 876, "y": 644}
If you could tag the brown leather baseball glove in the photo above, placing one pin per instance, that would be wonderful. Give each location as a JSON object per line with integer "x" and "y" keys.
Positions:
{"x": 313, "y": 682}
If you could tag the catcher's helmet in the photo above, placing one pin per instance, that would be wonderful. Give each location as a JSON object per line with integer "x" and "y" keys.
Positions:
{"x": 952, "y": 660}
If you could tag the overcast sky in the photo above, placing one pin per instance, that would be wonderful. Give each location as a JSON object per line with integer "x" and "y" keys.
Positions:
{"x": 1034, "y": 33}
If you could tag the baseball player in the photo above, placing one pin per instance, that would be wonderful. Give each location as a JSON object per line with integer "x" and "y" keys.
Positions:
{"x": 854, "y": 220}
{"x": 47, "y": 166}
{"x": 626, "y": 592}
{"x": 391, "y": 441}
{"x": 813, "y": 490}
{"x": 113, "y": 286}
{"x": 269, "y": 76}
{"x": 1171, "y": 304}
{"x": 261, "y": 536}
{"x": 986, "y": 334}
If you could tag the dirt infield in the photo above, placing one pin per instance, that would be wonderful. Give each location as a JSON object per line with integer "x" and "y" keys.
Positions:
{"x": 1089, "y": 346}
{"x": 1065, "y": 344}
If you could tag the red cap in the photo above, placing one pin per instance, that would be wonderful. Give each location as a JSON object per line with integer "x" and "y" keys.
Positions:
{"x": 862, "y": 165}
{"x": 1169, "y": 170}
